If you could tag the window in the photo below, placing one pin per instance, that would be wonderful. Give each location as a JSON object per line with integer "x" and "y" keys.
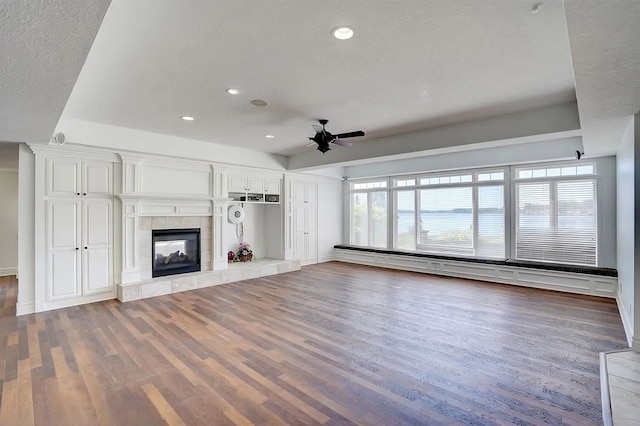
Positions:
{"x": 368, "y": 225}
{"x": 451, "y": 214}
{"x": 556, "y": 215}
{"x": 550, "y": 211}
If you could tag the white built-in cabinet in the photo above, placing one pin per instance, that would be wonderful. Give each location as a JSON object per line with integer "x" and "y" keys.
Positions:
{"x": 242, "y": 183}
{"x": 78, "y": 209}
{"x": 257, "y": 189}
{"x": 305, "y": 222}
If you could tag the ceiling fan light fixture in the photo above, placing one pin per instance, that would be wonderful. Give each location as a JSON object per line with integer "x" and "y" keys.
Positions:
{"x": 187, "y": 118}
{"x": 234, "y": 91}
{"x": 269, "y": 136}
{"x": 342, "y": 32}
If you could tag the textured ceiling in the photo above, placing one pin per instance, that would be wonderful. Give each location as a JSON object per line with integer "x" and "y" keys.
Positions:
{"x": 412, "y": 65}
{"x": 605, "y": 46}
{"x": 43, "y": 44}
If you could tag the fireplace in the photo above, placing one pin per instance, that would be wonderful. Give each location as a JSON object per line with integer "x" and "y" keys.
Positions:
{"x": 175, "y": 251}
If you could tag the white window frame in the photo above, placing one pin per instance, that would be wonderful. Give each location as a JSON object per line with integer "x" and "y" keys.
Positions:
{"x": 350, "y": 191}
{"x": 514, "y": 196}
{"x": 474, "y": 184}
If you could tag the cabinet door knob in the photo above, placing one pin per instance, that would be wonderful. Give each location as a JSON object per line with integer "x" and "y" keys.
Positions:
{"x": 85, "y": 248}
{"x": 77, "y": 248}
{"x": 84, "y": 193}
{"x": 78, "y": 193}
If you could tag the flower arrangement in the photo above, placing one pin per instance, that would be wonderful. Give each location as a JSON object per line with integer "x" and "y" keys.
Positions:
{"x": 244, "y": 252}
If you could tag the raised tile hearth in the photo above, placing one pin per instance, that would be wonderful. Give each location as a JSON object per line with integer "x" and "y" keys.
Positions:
{"x": 183, "y": 282}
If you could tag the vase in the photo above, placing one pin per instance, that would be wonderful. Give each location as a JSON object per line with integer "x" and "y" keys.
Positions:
{"x": 246, "y": 257}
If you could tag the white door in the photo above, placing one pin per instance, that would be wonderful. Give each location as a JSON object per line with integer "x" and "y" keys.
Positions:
{"x": 311, "y": 229}
{"x": 236, "y": 183}
{"x": 299, "y": 233}
{"x": 97, "y": 178}
{"x": 63, "y": 249}
{"x": 96, "y": 246}
{"x": 63, "y": 177}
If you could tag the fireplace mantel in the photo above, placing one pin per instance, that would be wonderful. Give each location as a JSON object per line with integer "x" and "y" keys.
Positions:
{"x": 136, "y": 206}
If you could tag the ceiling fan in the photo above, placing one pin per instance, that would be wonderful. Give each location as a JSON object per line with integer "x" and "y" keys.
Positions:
{"x": 323, "y": 138}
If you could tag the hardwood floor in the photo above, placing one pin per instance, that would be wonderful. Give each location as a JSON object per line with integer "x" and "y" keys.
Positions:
{"x": 8, "y": 296}
{"x": 331, "y": 344}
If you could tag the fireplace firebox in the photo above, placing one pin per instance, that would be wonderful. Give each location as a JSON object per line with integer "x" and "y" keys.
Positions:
{"x": 175, "y": 251}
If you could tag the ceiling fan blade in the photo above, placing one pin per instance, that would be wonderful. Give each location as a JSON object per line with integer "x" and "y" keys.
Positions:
{"x": 310, "y": 144}
{"x": 317, "y": 128}
{"x": 342, "y": 143}
{"x": 350, "y": 134}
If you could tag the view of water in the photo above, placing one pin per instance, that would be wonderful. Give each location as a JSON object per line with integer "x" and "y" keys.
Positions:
{"x": 489, "y": 224}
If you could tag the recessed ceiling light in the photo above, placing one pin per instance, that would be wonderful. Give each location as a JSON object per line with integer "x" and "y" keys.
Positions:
{"x": 342, "y": 32}
{"x": 187, "y": 118}
{"x": 269, "y": 136}
{"x": 259, "y": 103}
{"x": 234, "y": 91}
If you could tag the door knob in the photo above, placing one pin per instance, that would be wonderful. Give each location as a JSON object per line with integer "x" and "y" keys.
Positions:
{"x": 77, "y": 248}
{"x": 85, "y": 248}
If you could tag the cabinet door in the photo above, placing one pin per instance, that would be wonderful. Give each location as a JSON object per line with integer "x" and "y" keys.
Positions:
{"x": 97, "y": 178}
{"x": 236, "y": 183}
{"x": 311, "y": 248}
{"x": 255, "y": 184}
{"x": 63, "y": 177}
{"x": 96, "y": 246}
{"x": 63, "y": 254}
{"x": 311, "y": 193}
{"x": 311, "y": 229}
{"x": 299, "y": 192}
{"x": 272, "y": 186}
{"x": 299, "y": 233}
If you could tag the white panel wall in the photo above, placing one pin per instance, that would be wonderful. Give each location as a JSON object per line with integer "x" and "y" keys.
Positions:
{"x": 330, "y": 205}
{"x": 167, "y": 180}
{"x": 8, "y": 222}
{"x": 625, "y": 232}
{"x": 636, "y": 232}
{"x": 26, "y": 235}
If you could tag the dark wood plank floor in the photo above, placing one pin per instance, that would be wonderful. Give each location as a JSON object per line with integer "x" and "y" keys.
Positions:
{"x": 331, "y": 344}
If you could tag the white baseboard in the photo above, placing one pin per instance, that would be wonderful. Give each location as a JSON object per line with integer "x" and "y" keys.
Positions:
{"x": 626, "y": 321}
{"x": 571, "y": 282}
{"x": 324, "y": 259}
{"x": 25, "y": 308}
{"x": 8, "y": 271}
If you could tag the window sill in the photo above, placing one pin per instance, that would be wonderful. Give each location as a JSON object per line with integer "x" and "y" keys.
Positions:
{"x": 591, "y": 270}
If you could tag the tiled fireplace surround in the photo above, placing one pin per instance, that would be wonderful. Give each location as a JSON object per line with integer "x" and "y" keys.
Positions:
{"x": 147, "y": 224}
{"x": 150, "y": 287}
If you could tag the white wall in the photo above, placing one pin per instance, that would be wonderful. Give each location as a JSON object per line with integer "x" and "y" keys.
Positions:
{"x": 330, "y": 215}
{"x": 8, "y": 222}
{"x": 636, "y": 232}
{"x": 26, "y": 236}
{"x": 255, "y": 225}
{"x": 625, "y": 208}
{"x": 497, "y": 156}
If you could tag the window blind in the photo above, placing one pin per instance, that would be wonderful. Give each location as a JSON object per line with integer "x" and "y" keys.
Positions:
{"x": 556, "y": 221}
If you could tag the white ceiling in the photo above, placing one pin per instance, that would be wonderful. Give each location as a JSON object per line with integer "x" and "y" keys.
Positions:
{"x": 415, "y": 67}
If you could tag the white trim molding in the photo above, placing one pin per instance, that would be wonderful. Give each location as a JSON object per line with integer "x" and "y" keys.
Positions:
{"x": 25, "y": 308}
{"x": 4, "y": 272}
{"x": 571, "y": 282}
{"x": 626, "y": 321}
